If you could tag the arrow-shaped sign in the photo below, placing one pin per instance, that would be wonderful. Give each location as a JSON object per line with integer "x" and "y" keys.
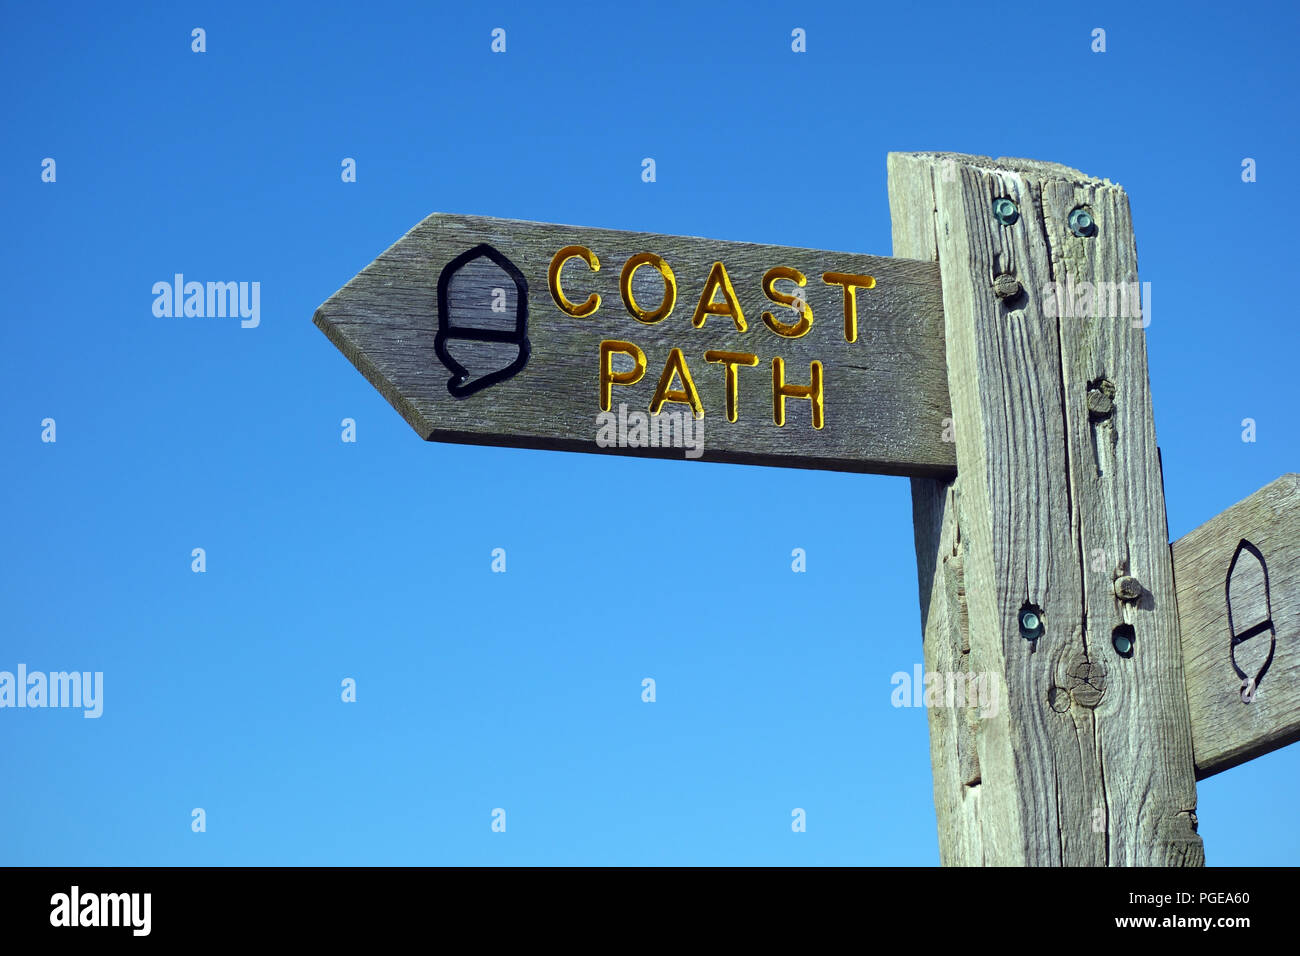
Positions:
{"x": 500, "y": 332}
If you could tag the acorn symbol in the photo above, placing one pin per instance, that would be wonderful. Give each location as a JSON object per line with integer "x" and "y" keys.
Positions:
{"x": 479, "y": 322}
{"x": 1250, "y": 615}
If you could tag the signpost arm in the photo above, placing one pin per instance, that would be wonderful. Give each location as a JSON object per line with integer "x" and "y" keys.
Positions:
{"x": 1238, "y": 577}
{"x": 1045, "y": 562}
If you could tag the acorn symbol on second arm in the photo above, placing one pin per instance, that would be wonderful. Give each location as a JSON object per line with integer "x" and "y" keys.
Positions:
{"x": 1250, "y": 615}
{"x": 466, "y": 327}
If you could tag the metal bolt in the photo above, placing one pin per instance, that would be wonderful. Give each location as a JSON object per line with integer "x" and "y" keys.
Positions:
{"x": 1006, "y": 286}
{"x": 1101, "y": 399}
{"x": 1082, "y": 224}
{"x": 1005, "y": 211}
{"x": 1099, "y": 403}
{"x": 1128, "y": 588}
{"x": 1031, "y": 625}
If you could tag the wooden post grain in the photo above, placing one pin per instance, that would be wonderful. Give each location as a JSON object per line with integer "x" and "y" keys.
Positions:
{"x": 1057, "y": 507}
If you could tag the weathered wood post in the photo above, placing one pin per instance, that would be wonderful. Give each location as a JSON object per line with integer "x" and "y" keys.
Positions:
{"x": 1046, "y": 561}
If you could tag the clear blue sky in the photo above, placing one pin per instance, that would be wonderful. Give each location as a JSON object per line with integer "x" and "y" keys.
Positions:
{"x": 372, "y": 560}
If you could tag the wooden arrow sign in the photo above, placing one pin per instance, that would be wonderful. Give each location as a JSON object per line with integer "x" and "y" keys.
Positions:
{"x": 500, "y": 332}
{"x": 1238, "y": 583}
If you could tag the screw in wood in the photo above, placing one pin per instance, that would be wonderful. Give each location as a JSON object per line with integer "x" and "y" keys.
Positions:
{"x": 1082, "y": 224}
{"x": 1005, "y": 211}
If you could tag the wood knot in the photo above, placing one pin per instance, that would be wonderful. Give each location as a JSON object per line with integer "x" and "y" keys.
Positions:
{"x": 1087, "y": 682}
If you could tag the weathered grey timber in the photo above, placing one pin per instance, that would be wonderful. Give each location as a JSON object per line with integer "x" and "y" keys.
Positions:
{"x": 1058, "y": 495}
{"x": 885, "y": 393}
{"x": 1244, "y": 699}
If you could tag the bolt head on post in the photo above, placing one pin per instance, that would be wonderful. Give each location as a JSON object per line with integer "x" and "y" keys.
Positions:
{"x": 1006, "y": 286}
{"x": 1128, "y": 588}
{"x": 1082, "y": 223}
{"x": 1031, "y": 624}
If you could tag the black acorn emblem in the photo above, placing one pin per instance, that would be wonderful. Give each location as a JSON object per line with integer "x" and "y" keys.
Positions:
{"x": 479, "y": 322}
{"x": 1250, "y": 615}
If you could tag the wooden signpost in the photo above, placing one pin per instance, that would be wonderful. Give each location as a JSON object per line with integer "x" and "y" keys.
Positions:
{"x": 499, "y": 332}
{"x": 989, "y": 363}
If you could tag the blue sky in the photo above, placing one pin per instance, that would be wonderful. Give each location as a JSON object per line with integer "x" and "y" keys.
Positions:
{"x": 371, "y": 560}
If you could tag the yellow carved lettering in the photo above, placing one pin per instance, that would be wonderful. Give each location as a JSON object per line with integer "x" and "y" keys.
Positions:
{"x": 730, "y": 361}
{"x": 730, "y": 305}
{"x": 851, "y": 284}
{"x": 791, "y": 330}
{"x": 553, "y": 279}
{"x": 609, "y": 378}
{"x": 686, "y": 395}
{"x": 670, "y": 287}
{"x": 781, "y": 391}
